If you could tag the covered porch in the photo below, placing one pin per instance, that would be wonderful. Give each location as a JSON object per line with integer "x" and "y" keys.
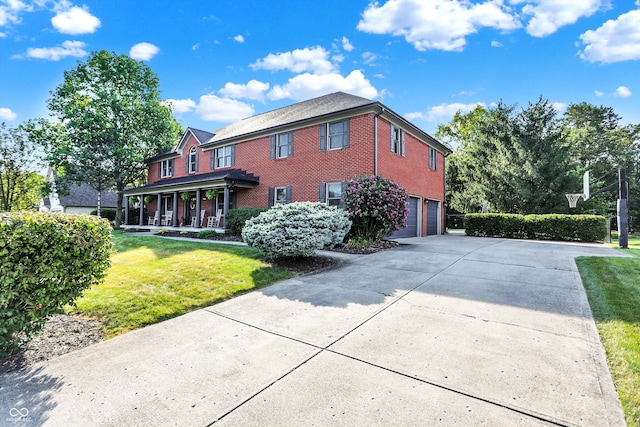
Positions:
{"x": 190, "y": 203}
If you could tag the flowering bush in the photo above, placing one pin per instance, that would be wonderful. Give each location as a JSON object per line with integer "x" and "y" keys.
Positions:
{"x": 376, "y": 207}
{"x": 296, "y": 229}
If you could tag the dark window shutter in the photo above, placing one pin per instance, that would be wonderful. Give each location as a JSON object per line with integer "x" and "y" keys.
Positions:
{"x": 213, "y": 158}
{"x": 345, "y": 142}
{"x": 233, "y": 155}
{"x": 402, "y": 152}
{"x": 322, "y": 187}
{"x": 435, "y": 159}
{"x": 288, "y": 194}
{"x": 291, "y": 144}
{"x": 272, "y": 191}
{"x": 323, "y": 137}
{"x": 159, "y": 169}
{"x": 186, "y": 164}
{"x": 273, "y": 147}
{"x": 344, "y": 187}
{"x": 197, "y": 158}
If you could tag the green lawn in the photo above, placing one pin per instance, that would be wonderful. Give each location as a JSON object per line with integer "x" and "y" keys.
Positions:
{"x": 613, "y": 289}
{"x": 152, "y": 279}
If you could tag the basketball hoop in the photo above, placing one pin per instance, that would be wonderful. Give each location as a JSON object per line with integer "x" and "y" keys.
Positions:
{"x": 573, "y": 199}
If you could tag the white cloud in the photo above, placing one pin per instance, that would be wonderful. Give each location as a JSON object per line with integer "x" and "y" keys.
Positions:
{"x": 181, "y": 105}
{"x": 254, "y": 89}
{"x": 7, "y": 114}
{"x": 10, "y": 11}
{"x": 143, "y": 51}
{"x": 74, "y": 20}
{"x": 559, "y": 106}
{"x": 622, "y": 92}
{"x": 2, "y": 35}
{"x": 495, "y": 43}
{"x": 369, "y": 58}
{"x": 598, "y": 93}
{"x": 616, "y": 40}
{"x": 443, "y": 112}
{"x": 239, "y": 38}
{"x": 436, "y": 24}
{"x": 214, "y": 108}
{"x": 195, "y": 46}
{"x": 549, "y": 15}
{"x": 346, "y": 44}
{"x": 379, "y": 76}
{"x": 68, "y": 48}
{"x": 307, "y": 86}
{"x": 297, "y": 61}
{"x": 337, "y": 58}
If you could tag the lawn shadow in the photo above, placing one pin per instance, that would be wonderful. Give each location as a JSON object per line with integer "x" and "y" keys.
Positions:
{"x": 27, "y": 396}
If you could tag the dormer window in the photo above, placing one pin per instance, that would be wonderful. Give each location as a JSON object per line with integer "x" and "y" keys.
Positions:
{"x": 193, "y": 160}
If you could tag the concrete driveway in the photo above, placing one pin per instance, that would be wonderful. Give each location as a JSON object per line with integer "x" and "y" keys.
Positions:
{"x": 447, "y": 330}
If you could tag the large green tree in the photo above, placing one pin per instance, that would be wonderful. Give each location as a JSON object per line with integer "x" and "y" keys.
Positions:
{"x": 21, "y": 186}
{"x": 514, "y": 160}
{"x": 112, "y": 118}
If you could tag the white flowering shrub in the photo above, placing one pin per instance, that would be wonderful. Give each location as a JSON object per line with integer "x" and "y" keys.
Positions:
{"x": 296, "y": 229}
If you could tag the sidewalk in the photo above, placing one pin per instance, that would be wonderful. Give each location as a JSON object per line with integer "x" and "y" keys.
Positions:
{"x": 447, "y": 330}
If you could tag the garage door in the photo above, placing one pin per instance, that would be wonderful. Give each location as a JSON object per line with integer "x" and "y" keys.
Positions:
{"x": 412, "y": 220}
{"x": 432, "y": 217}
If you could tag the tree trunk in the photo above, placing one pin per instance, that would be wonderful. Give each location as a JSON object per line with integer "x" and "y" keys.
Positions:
{"x": 119, "y": 189}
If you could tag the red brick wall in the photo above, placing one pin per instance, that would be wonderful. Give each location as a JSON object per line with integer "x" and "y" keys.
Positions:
{"x": 179, "y": 164}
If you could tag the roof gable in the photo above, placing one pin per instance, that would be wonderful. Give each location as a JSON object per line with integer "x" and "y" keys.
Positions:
{"x": 201, "y": 136}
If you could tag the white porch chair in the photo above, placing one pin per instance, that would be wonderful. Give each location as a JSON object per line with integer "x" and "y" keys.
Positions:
{"x": 154, "y": 220}
{"x": 214, "y": 221}
{"x": 167, "y": 218}
{"x": 194, "y": 220}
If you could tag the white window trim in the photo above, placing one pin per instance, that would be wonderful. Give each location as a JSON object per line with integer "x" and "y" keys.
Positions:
{"x": 165, "y": 170}
{"x": 326, "y": 192}
{"x": 279, "y": 146}
{"x": 225, "y": 158}
{"x": 193, "y": 160}
{"x": 329, "y": 135}
{"x": 433, "y": 158}
{"x": 275, "y": 196}
{"x": 397, "y": 142}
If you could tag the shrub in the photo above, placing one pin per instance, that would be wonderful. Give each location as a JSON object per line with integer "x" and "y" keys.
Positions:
{"x": 586, "y": 228}
{"x": 46, "y": 261}
{"x": 296, "y": 229}
{"x": 206, "y": 234}
{"x": 236, "y": 218}
{"x": 376, "y": 206}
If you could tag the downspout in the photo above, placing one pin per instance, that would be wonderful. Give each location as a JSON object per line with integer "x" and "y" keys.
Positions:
{"x": 375, "y": 141}
{"x": 444, "y": 196}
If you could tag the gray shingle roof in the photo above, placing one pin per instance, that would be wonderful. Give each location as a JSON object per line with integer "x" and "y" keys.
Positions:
{"x": 327, "y": 104}
{"x": 226, "y": 174}
{"x": 86, "y": 196}
{"x": 201, "y": 135}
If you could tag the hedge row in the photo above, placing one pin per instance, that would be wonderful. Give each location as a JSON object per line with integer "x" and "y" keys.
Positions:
{"x": 235, "y": 218}
{"x": 46, "y": 261}
{"x": 586, "y": 228}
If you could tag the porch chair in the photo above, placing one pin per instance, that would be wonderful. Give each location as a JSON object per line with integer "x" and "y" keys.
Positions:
{"x": 167, "y": 218}
{"x": 214, "y": 221}
{"x": 154, "y": 220}
{"x": 194, "y": 220}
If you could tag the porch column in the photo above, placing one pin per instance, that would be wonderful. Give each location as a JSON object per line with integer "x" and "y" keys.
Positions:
{"x": 198, "y": 196}
{"x": 159, "y": 206}
{"x": 141, "y": 201}
{"x": 175, "y": 209}
{"x": 126, "y": 210}
{"x": 225, "y": 206}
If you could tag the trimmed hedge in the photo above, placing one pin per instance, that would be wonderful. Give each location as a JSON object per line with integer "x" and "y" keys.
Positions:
{"x": 586, "y": 228}
{"x": 296, "y": 229}
{"x": 46, "y": 261}
{"x": 236, "y": 218}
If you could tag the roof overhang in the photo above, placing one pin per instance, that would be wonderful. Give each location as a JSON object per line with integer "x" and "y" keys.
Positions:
{"x": 234, "y": 178}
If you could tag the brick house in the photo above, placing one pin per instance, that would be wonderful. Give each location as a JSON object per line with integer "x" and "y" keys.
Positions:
{"x": 303, "y": 152}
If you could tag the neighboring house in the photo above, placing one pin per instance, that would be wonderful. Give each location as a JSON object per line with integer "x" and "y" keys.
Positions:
{"x": 304, "y": 152}
{"x": 82, "y": 199}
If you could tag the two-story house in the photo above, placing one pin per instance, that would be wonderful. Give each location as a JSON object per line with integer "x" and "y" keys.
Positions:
{"x": 303, "y": 152}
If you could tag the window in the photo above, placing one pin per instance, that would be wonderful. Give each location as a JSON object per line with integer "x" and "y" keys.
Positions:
{"x": 397, "y": 140}
{"x": 279, "y": 195}
{"x": 331, "y": 193}
{"x": 336, "y": 134}
{"x": 433, "y": 159}
{"x": 224, "y": 156}
{"x": 193, "y": 161}
{"x": 282, "y": 145}
{"x": 334, "y": 193}
{"x": 166, "y": 168}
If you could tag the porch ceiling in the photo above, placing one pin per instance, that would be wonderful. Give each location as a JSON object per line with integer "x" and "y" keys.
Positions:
{"x": 234, "y": 177}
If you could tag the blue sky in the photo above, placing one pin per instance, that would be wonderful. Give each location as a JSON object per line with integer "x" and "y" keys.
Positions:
{"x": 219, "y": 61}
